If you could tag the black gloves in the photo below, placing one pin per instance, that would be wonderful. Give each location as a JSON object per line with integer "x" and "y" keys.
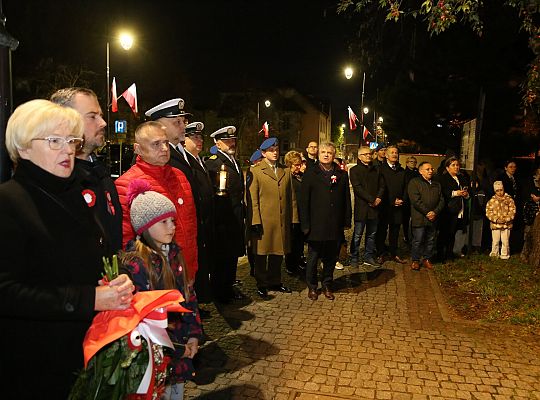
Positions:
{"x": 257, "y": 230}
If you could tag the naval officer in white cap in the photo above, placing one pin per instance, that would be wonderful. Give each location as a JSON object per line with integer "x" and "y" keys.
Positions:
{"x": 205, "y": 213}
{"x": 172, "y": 115}
{"x": 229, "y": 214}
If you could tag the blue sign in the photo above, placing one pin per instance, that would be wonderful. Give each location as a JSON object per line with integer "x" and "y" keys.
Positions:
{"x": 120, "y": 126}
{"x": 372, "y": 145}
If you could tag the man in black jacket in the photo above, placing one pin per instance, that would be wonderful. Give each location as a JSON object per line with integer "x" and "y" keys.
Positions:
{"x": 427, "y": 203}
{"x": 368, "y": 186}
{"x": 391, "y": 216}
{"x": 101, "y": 194}
{"x": 325, "y": 211}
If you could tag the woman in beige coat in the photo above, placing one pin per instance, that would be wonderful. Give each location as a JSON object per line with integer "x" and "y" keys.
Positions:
{"x": 271, "y": 210}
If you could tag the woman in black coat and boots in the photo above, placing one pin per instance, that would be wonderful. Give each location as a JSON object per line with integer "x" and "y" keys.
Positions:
{"x": 325, "y": 211}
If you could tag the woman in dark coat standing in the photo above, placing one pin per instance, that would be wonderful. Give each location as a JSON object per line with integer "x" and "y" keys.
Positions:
{"x": 455, "y": 190}
{"x": 325, "y": 211}
{"x": 50, "y": 262}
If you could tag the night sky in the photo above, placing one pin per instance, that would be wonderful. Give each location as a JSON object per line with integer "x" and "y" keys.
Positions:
{"x": 192, "y": 49}
{"x": 197, "y": 49}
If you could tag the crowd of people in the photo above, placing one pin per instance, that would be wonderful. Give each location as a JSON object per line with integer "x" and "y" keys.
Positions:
{"x": 177, "y": 221}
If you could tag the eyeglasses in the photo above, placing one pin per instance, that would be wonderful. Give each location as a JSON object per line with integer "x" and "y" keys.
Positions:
{"x": 58, "y": 142}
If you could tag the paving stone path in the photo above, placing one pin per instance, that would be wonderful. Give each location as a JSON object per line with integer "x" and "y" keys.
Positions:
{"x": 390, "y": 337}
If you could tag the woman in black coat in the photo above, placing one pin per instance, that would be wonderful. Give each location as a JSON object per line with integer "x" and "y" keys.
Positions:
{"x": 455, "y": 190}
{"x": 325, "y": 211}
{"x": 50, "y": 262}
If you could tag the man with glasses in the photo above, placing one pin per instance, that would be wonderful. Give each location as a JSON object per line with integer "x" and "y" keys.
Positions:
{"x": 427, "y": 204}
{"x": 368, "y": 187}
{"x": 100, "y": 191}
{"x": 152, "y": 149}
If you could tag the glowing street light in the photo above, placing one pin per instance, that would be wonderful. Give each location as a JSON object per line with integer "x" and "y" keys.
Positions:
{"x": 349, "y": 72}
{"x": 267, "y": 103}
{"x": 126, "y": 42}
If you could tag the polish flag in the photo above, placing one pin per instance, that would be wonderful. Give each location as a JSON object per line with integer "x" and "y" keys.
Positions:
{"x": 131, "y": 97}
{"x": 265, "y": 129}
{"x": 352, "y": 119}
{"x": 365, "y": 133}
{"x": 114, "y": 97}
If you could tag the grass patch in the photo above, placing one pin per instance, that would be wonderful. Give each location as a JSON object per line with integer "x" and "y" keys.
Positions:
{"x": 492, "y": 290}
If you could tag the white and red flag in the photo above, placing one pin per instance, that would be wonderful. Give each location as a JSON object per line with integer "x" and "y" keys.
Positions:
{"x": 114, "y": 97}
{"x": 131, "y": 97}
{"x": 265, "y": 129}
{"x": 352, "y": 119}
{"x": 365, "y": 133}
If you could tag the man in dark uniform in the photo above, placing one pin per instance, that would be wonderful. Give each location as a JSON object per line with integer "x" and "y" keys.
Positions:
{"x": 172, "y": 115}
{"x": 100, "y": 193}
{"x": 205, "y": 211}
{"x": 228, "y": 181}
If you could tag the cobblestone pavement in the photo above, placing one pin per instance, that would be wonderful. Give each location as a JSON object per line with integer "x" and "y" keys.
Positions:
{"x": 387, "y": 337}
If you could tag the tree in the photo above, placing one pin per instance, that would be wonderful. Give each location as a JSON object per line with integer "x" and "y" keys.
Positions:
{"x": 440, "y": 15}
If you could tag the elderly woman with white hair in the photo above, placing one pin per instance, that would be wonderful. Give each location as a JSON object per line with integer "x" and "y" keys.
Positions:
{"x": 51, "y": 258}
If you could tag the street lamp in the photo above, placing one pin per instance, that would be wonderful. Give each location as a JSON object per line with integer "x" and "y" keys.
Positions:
{"x": 267, "y": 103}
{"x": 349, "y": 72}
{"x": 126, "y": 42}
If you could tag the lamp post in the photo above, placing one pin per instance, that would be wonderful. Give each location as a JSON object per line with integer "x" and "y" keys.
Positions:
{"x": 267, "y": 103}
{"x": 126, "y": 42}
{"x": 349, "y": 72}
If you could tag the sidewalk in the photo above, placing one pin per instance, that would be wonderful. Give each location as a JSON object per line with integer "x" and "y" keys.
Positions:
{"x": 389, "y": 338}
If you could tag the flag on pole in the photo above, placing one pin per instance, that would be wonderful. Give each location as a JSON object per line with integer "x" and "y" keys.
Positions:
{"x": 365, "y": 133}
{"x": 131, "y": 97}
{"x": 265, "y": 129}
{"x": 352, "y": 119}
{"x": 114, "y": 97}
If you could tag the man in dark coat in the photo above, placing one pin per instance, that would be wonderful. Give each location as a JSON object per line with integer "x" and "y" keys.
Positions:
{"x": 368, "y": 187}
{"x": 411, "y": 171}
{"x": 228, "y": 180}
{"x": 390, "y": 215}
{"x": 427, "y": 203}
{"x": 312, "y": 153}
{"x": 92, "y": 173}
{"x": 205, "y": 211}
{"x": 325, "y": 211}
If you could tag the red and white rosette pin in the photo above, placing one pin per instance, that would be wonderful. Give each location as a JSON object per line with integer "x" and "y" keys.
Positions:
{"x": 90, "y": 197}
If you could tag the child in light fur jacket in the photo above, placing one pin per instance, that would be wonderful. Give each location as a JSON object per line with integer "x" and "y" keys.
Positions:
{"x": 500, "y": 210}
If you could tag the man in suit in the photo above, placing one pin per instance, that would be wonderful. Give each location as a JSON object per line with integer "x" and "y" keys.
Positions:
{"x": 312, "y": 152}
{"x": 205, "y": 211}
{"x": 390, "y": 215}
{"x": 325, "y": 211}
{"x": 93, "y": 174}
{"x": 228, "y": 180}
